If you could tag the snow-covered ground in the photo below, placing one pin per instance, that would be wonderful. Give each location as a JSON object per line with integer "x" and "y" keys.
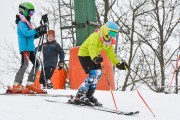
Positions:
{"x": 165, "y": 107}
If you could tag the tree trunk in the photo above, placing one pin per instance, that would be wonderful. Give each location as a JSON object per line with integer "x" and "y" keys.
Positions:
{"x": 131, "y": 54}
{"x": 162, "y": 61}
{"x": 177, "y": 73}
{"x": 106, "y": 9}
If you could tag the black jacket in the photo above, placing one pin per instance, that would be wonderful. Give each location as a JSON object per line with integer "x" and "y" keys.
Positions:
{"x": 51, "y": 50}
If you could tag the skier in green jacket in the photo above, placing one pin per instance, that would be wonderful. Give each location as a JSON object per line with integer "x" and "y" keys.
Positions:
{"x": 90, "y": 59}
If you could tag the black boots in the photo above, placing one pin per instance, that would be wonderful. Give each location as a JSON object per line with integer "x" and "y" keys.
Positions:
{"x": 92, "y": 98}
{"x": 86, "y": 97}
{"x": 81, "y": 95}
{"x": 49, "y": 84}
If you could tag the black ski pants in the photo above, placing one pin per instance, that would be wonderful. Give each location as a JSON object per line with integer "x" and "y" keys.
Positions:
{"x": 48, "y": 74}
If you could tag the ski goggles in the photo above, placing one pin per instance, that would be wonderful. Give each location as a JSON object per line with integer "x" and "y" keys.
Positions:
{"x": 31, "y": 12}
{"x": 112, "y": 33}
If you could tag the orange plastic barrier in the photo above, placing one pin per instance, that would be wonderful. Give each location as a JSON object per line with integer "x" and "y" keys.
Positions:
{"x": 77, "y": 74}
{"x": 58, "y": 79}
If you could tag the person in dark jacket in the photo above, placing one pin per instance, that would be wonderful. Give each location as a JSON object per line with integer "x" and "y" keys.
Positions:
{"x": 51, "y": 49}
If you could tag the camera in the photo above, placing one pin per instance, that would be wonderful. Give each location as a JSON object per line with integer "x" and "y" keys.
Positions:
{"x": 44, "y": 18}
{"x": 44, "y": 24}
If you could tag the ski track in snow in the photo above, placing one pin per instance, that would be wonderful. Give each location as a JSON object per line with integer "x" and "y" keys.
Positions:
{"x": 164, "y": 106}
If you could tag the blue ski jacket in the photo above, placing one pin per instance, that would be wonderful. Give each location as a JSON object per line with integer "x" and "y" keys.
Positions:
{"x": 25, "y": 37}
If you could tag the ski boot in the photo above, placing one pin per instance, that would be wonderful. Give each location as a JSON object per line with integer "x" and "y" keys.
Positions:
{"x": 81, "y": 99}
{"x": 49, "y": 84}
{"x": 20, "y": 89}
{"x": 92, "y": 99}
{"x": 35, "y": 89}
{"x": 42, "y": 86}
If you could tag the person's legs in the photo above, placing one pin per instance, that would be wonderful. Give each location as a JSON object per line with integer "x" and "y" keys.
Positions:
{"x": 95, "y": 80}
{"x": 24, "y": 64}
{"x": 17, "y": 87}
{"x": 90, "y": 83}
{"x": 42, "y": 79}
{"x": 46, "y": 80}
{"x": 35, "y": 68}
{"x": 49, "y": 72}
{"x": 32, "y": 76}
{"x": 92, "y": 88}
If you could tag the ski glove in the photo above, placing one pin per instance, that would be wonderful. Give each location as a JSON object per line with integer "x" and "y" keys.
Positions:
{"x": 41, "y": 30}
{"x": 122, "y": 66}
{"x": 60, "y": 65}
{"x": 98, "y": 59}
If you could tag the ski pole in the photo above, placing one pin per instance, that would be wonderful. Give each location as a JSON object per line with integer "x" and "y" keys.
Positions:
{"x": 44, "y": 21}
{"x": 140, "y": 94}
{"x": 40, "y": 41}
{"x": 109, "y": 87}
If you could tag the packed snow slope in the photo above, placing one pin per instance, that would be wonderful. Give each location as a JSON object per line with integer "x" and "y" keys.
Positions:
{"x": 164, "y": 106}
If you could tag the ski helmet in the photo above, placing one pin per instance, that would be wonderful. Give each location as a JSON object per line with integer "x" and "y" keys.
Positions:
{"x": 52, "y": 32}
{"x": 110, "y": 28}
{"x": 26, "y": 9}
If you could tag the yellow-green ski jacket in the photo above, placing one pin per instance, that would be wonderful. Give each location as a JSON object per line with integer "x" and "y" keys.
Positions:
{"x": 92, "y": 47}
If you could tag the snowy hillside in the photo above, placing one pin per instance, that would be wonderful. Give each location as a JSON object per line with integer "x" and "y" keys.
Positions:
{"x": 165, "y": 107}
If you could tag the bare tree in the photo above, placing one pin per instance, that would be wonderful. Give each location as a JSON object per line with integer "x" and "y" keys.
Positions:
{"x": 164, "y": 23}
{"x": 177, "y": 75}
{"x": 103, "y": 9}
{"x": 150, "y": 34}
{"x": 129, "y": 19}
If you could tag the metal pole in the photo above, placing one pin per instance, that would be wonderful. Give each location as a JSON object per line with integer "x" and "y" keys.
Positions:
{"x": 60, "y": 22}
{"x": 72, "y": 31}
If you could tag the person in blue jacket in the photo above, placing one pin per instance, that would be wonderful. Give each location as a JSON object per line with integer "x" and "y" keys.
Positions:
{"x": 26, "y": 36}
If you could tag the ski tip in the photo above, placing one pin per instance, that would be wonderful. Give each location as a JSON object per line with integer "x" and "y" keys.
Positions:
{"x": 136, "y": 112}
{"x": 129, "y": 113}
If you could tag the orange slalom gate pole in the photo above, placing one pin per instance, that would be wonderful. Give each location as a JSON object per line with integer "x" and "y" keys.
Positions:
{"x": 175, "y": 69}
{"x": 109, "y": 87}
